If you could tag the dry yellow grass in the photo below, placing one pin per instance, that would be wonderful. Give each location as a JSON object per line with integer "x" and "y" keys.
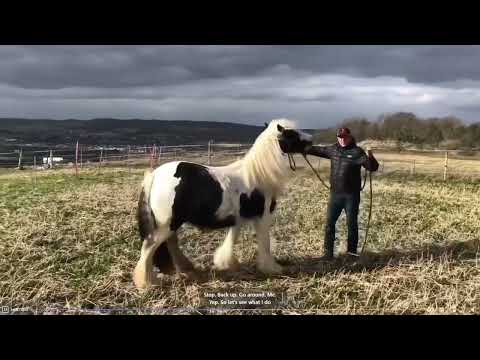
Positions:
{"x": 425, "y": 163}
{"x": 72, "y": 243}
{"x": 431, "y": 164}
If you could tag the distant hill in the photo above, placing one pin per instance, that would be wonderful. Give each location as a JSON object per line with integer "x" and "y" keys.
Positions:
{"x": 14, "y": 132}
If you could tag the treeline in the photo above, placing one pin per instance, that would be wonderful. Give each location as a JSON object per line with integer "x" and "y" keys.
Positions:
{"x": 447, "y": 132}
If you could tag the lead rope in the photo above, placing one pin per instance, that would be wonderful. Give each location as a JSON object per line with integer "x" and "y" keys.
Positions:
{"x": 364, "y": 183}
{"x": 291, "y": 162}
{"x": 369, "y": 214}
{"x": 315, "y": 172}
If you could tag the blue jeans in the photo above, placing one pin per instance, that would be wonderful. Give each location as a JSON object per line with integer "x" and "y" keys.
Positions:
{"x": 349, "y": 202}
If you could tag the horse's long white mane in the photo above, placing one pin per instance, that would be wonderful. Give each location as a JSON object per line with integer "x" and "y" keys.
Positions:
{"x": 265, "y": 166}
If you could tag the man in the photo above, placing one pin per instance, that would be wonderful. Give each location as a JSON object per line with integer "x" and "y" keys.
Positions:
{"x": 345, "y": 185}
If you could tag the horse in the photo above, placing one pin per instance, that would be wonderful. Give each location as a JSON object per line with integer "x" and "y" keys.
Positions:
{"x": 212, "y": 198}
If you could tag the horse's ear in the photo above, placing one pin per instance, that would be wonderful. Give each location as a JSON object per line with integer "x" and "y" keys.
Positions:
{"x": 280, "y": 128}
{"x": 266, "y": 125}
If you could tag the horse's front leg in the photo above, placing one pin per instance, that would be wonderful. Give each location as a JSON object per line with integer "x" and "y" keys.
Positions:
{"x": 265, "y": 261}
{"x": 223, "y": 258}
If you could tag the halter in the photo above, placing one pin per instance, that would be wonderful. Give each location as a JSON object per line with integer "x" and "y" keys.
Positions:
{"x": 291, "y": 159}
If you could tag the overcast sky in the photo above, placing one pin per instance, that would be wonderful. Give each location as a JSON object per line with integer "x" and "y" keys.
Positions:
{"x": 316, "y": 85}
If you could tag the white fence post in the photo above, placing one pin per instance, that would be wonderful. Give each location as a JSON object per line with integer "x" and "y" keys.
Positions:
{"x": 101, "y": 158}
{"x": 20, "y": 155}
{"x": 209, "y": 152}
{"x": 151, "y": 157}
{"x": 128, "y": 158}
{"x": 155, "y": 155}
{"x": 445, "y": 170}
{"x": 76, "y": 160}
{"x": 34, "y": 170}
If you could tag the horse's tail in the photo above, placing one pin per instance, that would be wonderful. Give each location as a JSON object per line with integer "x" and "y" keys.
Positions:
{"x": 145, "y": 217}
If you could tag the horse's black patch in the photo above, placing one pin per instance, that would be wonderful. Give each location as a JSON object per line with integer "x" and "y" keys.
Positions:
{"x": 163, "y": 260}
{"x": 252, "y": 206}
{"x": 145, "y": 218}
{"x": 290, "y": 142}
{"x": 197, "y": 197}
{"x": 273, "y": 204}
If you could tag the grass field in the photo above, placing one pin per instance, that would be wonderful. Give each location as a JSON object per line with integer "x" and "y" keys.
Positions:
{"x": 72, "y": 243}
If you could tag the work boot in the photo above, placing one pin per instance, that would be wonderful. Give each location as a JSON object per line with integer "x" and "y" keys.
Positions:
{"x": 351, "y": 258}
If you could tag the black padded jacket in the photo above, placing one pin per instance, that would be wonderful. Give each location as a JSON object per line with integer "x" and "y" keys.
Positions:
{"x": 345, "y": 165}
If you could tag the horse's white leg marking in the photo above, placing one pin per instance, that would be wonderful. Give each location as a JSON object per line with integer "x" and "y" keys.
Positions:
{"x": 265, "y": 261}
{"x": 223, "y": 258}
{"x": 143, "y": 273}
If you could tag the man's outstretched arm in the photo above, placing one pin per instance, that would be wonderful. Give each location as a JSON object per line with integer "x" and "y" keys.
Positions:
{"x": 317, "y": 150}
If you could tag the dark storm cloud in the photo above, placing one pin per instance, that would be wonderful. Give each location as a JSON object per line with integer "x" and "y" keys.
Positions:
{"x": 474, "y": 108}
{"x": 125, "y": 66}
{"x": 317, "y": 85}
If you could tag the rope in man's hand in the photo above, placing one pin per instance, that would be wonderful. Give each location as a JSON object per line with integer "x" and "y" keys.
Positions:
{"x": 315, "y": 172}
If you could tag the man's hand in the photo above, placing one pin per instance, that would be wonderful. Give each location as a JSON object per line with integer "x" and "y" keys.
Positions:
{"x": 369, "y": 151}
{"x": 371, "y": 164}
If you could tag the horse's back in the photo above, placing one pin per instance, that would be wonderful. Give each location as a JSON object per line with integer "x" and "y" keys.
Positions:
{"x": 186, "y": 192}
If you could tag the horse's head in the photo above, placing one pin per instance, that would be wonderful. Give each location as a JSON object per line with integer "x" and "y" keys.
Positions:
{"x": 293, "y": 140}
{"x": 264, "y": 165}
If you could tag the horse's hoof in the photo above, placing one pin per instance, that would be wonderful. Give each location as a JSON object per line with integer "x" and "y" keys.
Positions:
{"x": 141, "y": 280}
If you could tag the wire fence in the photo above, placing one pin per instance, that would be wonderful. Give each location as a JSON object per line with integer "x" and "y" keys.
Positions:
{"x": 438, "y": 163}
{"x": 81, "y": 156}
{"x": 435, "y": 163}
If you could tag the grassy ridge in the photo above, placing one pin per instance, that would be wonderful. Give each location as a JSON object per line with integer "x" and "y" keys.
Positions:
{"x": 73, "y": 242}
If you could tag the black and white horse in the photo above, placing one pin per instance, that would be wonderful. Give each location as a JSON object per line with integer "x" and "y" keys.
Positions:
{"x": 213, "y": 198}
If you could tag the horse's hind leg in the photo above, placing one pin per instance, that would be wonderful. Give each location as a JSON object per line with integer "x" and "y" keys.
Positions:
{"x": 223, "y": 258}
{"x": 143, "y": 273}
{"x": 180, "y": 261}
{"x": 162, "y": 259}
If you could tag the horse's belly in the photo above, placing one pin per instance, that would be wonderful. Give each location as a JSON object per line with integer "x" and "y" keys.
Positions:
{"x": 212, "y": 223}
